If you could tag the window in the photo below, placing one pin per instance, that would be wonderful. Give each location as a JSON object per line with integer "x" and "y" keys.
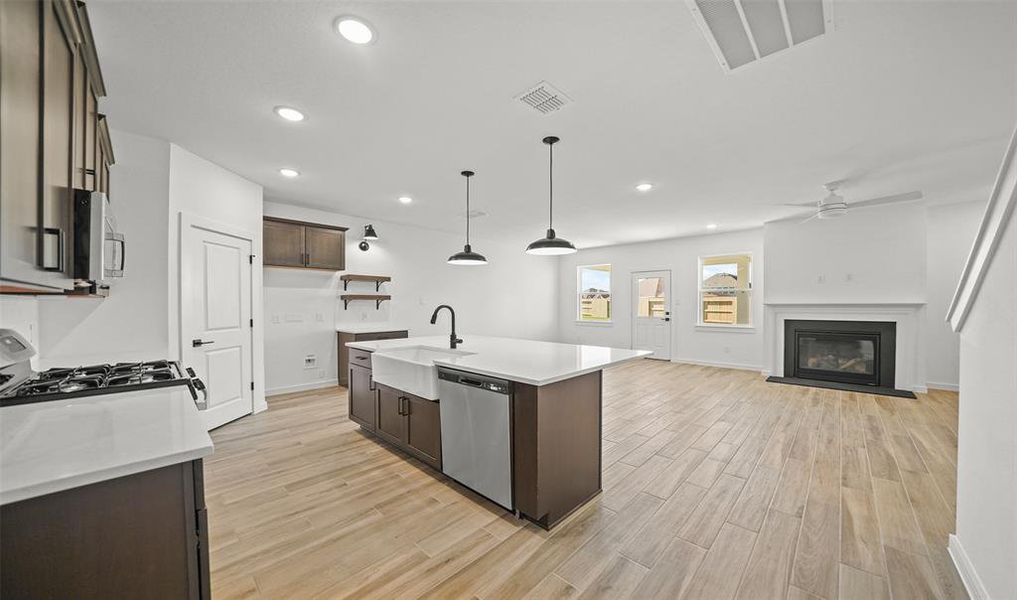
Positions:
{"x": 725, "y": 290}
{"x": 594, "y": 293}
{"x": 652, "y": 299}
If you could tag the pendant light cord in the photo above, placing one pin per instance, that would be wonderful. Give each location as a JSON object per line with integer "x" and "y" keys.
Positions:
{"x": 467, "y": 211}
{"x": 550, "y": 193}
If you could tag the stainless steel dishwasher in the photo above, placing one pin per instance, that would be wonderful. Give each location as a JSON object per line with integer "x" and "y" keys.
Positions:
{"x": 476, "y": 446}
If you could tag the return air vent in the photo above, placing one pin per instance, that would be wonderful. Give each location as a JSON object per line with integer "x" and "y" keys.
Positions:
{"x": 544, "y": 98}
{"x": 742, "y": 31}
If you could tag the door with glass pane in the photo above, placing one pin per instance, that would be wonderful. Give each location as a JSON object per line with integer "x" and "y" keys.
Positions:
{"x": 651, "y": 308}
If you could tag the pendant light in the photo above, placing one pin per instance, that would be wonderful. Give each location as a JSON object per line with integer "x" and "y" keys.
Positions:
{"x": 467, "y": 256}
{"x": 550, "y": 245}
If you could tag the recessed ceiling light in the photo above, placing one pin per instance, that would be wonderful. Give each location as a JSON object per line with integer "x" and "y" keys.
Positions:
{"x": 290, "y": 114}
{"x": 405, "y": 199}
{"x": 354, "y": 29}
{"x": 644, "y": 187}
{"x": 291, "y": 173}
{"x": 711, "y": 226}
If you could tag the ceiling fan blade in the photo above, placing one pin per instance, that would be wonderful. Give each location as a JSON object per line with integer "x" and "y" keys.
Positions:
{"x": 812, "y": 216}
{"x": 907, "y": 197}
{"x": 799, "y": 204}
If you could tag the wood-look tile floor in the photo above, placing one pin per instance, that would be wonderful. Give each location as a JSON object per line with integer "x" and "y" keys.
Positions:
{"x": 716, "y": 485}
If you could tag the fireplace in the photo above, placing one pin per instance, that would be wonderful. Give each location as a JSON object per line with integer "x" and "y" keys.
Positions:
{"x": 848, "y": 355}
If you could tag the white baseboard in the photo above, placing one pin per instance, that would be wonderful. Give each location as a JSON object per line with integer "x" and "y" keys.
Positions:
{"x": 301, "y": 387}
{"x": 973, "y": 584}
{"x": 950, "y": 387}
{"x": 721, "y": 365}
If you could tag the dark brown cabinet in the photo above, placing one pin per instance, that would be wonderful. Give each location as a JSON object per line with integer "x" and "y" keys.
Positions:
{"x": 49, "y": 84}
{"x": 57, "y": 142}
{"x": 20, "y": 79}
{"x": 345, "y": 337}
{"x": 404, "y": 420}
{"x": 289, "y": 243}
{"x": 423, "y": 429}
{"x": 410, "y": 422}
{"x": 139, "y": 536}
{"x": 363, "y": 401}
{"x": 391, "y": 424}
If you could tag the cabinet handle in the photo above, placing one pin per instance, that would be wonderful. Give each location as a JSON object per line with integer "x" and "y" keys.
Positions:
{"x": 402, "y": 411}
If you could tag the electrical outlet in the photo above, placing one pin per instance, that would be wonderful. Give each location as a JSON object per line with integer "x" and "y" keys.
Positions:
{"x": 821, "y": 279}
{"x": 849, "y": 277}
{"x": 310, "y": 361}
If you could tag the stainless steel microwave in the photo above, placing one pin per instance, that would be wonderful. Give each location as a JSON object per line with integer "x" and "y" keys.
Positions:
{"x": 99, "y": 248}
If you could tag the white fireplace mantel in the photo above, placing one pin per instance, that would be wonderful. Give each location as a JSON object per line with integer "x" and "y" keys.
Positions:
{"x": 909, "y": 358}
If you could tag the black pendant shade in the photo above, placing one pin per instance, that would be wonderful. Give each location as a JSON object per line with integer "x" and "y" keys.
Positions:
{"x": 550, "y": 244}
{"x": 467, "y": 257}
{"x": 369, "y": 233}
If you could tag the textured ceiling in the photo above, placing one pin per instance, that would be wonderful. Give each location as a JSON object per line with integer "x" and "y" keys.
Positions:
{"x": 901, "y": 96}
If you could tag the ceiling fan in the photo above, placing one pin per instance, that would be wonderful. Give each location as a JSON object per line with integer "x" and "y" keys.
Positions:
{"x": 834, "y": 205}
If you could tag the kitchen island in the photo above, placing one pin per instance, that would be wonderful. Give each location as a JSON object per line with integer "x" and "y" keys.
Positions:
{"x": 543, "y": 398}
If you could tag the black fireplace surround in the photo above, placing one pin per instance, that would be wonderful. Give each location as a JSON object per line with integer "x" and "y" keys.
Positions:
{"x": 846, "y": 355}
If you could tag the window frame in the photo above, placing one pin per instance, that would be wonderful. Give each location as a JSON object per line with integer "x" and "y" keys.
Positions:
{"x": 750, "y": 291}
{"x": 579, "y": 295}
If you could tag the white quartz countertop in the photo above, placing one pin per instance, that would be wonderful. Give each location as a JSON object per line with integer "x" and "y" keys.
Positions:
{"x": 524, "y": 361}
{"x": 52, "y": 446}
{"x": 368, "y": 327}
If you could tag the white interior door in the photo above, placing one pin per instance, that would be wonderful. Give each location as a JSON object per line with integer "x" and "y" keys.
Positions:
{"x": 215, "y": 317}
{"x": 651, "y": 312}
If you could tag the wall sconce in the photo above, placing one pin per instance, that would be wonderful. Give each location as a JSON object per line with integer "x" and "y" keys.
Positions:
{"x": 369, "y": 234}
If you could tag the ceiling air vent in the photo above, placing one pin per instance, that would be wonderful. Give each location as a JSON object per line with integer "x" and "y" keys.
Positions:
{"x": 742, "y": 31}
{"x": 544, "y": 98}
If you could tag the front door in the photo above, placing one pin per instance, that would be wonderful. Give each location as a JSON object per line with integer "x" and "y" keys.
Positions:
{"x": 651, "y": 318}
{"x": 215, "y": 317}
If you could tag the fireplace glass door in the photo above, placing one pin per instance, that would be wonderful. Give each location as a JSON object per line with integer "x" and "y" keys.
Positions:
{"x": 838, "y": 356}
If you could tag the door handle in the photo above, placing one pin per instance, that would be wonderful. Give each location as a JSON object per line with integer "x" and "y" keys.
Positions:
{"x": 667, "y": 318}
{"x": 198, "y": 343}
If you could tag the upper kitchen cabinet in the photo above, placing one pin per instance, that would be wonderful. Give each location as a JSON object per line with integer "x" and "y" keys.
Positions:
{"x": 299, "y": 244}
{"x": 49, "y": 138}
{"x": 104, "y": 156}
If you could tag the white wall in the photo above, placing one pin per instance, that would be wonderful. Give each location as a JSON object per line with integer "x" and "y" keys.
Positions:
{"x": 952, "y": 229}
{"x": 130, "y": 324}
{"x": 513, "y": 296}
{"x": 868, "y": 255}
{"x": 201, "y": 188}
{"x": 987, "y": 436}
{"x": 737, "y": 348}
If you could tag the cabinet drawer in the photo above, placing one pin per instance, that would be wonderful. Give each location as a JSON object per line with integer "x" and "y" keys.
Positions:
{"x": 360, "y": 358}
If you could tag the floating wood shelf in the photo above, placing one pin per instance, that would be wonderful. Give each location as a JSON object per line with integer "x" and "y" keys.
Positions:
{"x": 376, "y": 279}
{"x": 378, "y": 299}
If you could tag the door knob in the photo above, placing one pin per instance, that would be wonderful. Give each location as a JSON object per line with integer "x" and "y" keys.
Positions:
{"x": 196, "y": 343}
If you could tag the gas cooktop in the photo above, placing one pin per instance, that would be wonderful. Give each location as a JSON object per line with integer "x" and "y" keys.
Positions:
{"x": 61, "y": 383}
